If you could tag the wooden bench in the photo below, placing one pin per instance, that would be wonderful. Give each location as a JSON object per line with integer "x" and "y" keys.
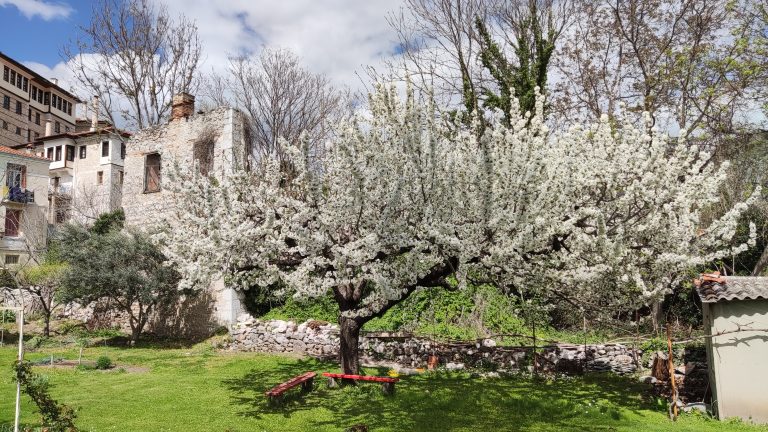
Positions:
{"x": 387, "y": 383}
{"x": 306, "y": 379}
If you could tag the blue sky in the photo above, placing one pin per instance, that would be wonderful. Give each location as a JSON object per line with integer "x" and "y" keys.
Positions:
{"x": 35, "y": 31}
{"x": 336, "y": 37}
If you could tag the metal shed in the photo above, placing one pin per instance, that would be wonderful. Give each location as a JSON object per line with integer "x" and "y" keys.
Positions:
{"x": 736, "y": 321}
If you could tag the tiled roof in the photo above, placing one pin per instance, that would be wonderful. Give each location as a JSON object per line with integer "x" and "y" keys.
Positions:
{"x": 22, "y": 153}
{"x": 713, "y": 287}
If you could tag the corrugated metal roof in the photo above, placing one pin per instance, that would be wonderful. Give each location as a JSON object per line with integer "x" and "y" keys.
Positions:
{"x": 714, "y": 288}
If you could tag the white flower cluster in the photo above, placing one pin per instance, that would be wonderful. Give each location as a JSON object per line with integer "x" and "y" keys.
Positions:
{"x": 402, "y": 197}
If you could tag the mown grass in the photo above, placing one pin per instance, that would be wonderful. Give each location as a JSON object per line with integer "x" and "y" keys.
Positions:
{"x": 196, "y": 389}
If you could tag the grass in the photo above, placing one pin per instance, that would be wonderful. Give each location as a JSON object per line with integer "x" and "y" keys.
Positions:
{"x": 197, "y": 389}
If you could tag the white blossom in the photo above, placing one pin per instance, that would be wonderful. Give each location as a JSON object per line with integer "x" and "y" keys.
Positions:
{"x": 402, "y": 198}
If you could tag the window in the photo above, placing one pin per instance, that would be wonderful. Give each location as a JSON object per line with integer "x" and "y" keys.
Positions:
{"x": 5, "y": 125}
{"x": 37, "y": 118}
{"x": 122, "y": 150}
{"x": 25, "y": 84}
{"x": 18, "y": 107}
{"x": 18, "y": 80}
{"x": 17, "y": 176}
{"x": 104, "y": 148}
{"x": 58, "y": 153}
{"x": 34, "y": 92}
{"x": 82, "y": 152}
{"x": 18, "y": 130}
{"x": 152, "y": 173}
{"x": 53, "y": 100}
{"x": 46, "y": 98}
{"x": 6, "y": 73}
{"x": 100, "y": 177}
{"x": 12, "y": 218}
{"x": 57, "y": 127}
{"x": 11, "y": 259}
{"x": 13, "y": 77}
{"x": 70, "y": 150}
{"x": 120, "y": 177}
{"x": 49, "y": 153}
{"x": 7, "y": 102}
{"x": 40, "y": 96}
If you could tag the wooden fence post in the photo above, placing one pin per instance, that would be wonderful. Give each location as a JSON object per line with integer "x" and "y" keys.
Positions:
{"x": 672, "y": 382}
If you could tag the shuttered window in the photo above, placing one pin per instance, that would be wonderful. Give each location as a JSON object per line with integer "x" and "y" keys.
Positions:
{"x": 12, "y": 218}
{"x": 152, "y": 173}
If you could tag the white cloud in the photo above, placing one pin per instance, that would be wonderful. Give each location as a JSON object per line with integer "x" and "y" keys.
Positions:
{"x": 46, "y": 10}
{"x": 334, "y": 37}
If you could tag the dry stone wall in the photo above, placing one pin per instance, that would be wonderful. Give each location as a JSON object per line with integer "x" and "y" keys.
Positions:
{"x": 321, "y": 339}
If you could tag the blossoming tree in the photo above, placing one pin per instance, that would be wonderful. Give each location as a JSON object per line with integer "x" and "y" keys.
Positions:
{"x": 402, "y": 200}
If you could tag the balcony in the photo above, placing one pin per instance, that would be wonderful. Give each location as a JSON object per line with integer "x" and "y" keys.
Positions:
{"x": 61, "y": 189}
{"x": 20, "y": 195}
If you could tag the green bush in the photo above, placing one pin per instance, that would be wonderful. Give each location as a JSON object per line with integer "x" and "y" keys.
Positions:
{"x": 35, "y": 343}
{"x": 7, "y": 316}
{"x": 323, "y": 308}
{"x": 103, "y": 362}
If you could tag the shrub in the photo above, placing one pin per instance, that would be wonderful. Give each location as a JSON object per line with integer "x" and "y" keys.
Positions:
{"x": 103, "y": 362}
{"x": 7, "y": 316}
{"x": 55, "y": 417}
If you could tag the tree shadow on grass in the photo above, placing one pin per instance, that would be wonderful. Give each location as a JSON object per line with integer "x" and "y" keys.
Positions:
{"x": 444, "y": 401}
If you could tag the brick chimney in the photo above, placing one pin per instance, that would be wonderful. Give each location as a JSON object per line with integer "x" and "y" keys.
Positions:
{"x": 183, "y": 106}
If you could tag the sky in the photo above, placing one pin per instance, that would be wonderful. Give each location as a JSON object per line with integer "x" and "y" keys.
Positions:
{"x": 336, "y": 37}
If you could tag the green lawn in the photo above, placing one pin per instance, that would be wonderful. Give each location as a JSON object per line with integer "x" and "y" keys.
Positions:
{"x": 196, "y": 389}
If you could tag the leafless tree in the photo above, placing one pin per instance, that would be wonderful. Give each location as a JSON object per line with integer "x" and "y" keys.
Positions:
{"x": 135, "y": 57}
{"x": 440, "y": 45}
{"x": 34, "y": 278}
{"x": 682, "y": 61}
{"x": 281, "y": 98}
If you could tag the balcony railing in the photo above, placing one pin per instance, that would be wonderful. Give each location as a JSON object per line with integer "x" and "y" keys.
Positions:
{"x": 64, "y": 189}
{"x": 20, "y": 195}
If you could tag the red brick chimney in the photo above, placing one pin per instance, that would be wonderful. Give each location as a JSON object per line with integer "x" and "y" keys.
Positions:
{"x": 183, "y": 106}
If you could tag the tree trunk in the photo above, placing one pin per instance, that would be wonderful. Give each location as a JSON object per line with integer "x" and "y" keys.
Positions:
{"x": 349, "y": 359}
{"x": 657, "y": 314}
{"x": 47, "y": 320}
{"x": 762, "y": 263}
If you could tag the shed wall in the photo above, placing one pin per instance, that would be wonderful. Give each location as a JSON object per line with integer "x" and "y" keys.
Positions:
{"x": 739, "y": 361}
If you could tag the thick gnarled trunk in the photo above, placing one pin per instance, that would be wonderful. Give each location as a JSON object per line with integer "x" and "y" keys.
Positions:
{"x": 349, "y": 356}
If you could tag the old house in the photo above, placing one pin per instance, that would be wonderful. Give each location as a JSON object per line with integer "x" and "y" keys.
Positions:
{"x": 24, "y": 204}
{"x": 736, "y": 320}
{"x": 215, "y": 141}
{"x": 32, "y": 106}
{"x": 86, "y": 172}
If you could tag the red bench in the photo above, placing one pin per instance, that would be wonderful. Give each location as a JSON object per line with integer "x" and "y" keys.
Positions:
{"x": 387, "y": 383}
{"x": 306, "y": 379}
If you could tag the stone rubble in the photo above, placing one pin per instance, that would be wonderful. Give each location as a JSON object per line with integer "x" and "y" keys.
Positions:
{"x": 321, "y": 339}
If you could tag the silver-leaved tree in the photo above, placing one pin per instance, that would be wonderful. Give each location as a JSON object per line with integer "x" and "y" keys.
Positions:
{"x": 403, "y": 200}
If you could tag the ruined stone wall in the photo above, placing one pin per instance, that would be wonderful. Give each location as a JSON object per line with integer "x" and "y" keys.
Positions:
{"x": 219, "y": 135}
{"x": 320, "y": 339}
{"x": 175, "y": 142}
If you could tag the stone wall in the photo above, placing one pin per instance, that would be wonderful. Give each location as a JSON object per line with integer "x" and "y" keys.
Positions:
{"x": 320, "y": 339}
{"x": 220, "y": 135}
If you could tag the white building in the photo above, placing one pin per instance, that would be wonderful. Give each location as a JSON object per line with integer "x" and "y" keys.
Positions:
{"x": 24, "y": 204}
{"x": 86, "y": 173}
